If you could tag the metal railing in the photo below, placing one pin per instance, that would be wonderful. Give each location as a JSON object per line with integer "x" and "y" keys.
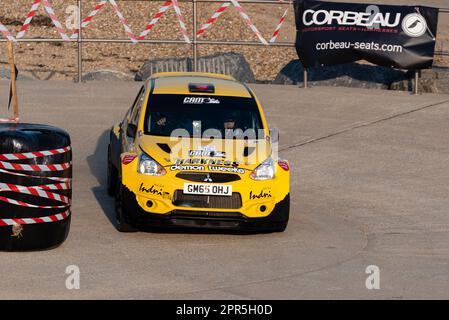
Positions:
{"x": 195, "y": 42}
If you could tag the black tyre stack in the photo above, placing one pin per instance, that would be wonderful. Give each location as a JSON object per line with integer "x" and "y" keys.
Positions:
{"x": 34, "y": 233}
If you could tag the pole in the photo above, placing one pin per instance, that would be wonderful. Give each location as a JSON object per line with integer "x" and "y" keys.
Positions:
{"x": 416, "y": 87}
{"x": 80, "y": 45}
{"x": 12, "y": 66}
{"x": 194, "y": 42}
{"x": 306, "y": 79}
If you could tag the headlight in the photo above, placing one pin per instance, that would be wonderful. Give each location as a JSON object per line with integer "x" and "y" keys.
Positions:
{"x": 265, "y": 171}
{"x": 149, "y": 166}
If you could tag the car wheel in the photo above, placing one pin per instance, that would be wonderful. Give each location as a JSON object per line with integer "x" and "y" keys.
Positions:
{"x": 112, "y": 175}
{"x": 124, "y": 208}
{"x": 281, "y": 227}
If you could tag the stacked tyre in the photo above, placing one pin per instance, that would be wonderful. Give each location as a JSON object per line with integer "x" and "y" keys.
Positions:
{"x": 35, "y": 187}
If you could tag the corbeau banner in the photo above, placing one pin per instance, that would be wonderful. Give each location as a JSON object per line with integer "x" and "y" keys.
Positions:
{"x": 332, "y": 33}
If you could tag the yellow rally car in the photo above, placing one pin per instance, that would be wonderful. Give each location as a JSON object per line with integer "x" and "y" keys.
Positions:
{"x": 194, "y": 150}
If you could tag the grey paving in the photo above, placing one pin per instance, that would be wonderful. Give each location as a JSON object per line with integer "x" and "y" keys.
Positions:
{"x": 369, "y": 187}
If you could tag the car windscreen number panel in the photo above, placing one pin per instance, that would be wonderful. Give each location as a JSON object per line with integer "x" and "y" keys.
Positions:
{"x": 208, "y": 189}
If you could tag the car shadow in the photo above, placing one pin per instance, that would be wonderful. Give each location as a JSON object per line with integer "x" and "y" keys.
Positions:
{"x": 97, "y": 163}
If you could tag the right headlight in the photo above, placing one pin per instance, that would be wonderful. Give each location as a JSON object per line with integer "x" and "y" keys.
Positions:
{"x": 265, "y": 171}
{"x": 149, "y": 166}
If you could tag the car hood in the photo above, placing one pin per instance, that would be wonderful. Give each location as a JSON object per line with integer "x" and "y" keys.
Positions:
{"x": 244, "y": 154}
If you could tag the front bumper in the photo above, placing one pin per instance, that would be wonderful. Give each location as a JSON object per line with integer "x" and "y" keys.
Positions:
{"x": 236, "y": 221}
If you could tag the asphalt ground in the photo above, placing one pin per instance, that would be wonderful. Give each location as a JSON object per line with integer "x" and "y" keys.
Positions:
{"x": 370, "y": 172}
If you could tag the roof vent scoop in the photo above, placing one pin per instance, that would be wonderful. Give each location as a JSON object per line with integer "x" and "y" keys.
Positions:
{"x": 201, "y": 88}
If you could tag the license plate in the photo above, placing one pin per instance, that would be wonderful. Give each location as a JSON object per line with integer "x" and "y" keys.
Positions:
{"x": 208, "y": 189}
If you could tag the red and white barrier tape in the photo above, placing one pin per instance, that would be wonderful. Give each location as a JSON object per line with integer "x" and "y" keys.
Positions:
{"x": 59, "y": 179}
{"x": 12, "y": 120}
{"x": 51, "y": 13}
{"x": 155, "y": 19}
{"x": 34, "y": 167}
{"x": 6, "y": 33}
{"x": 46, "y": 191}
{"x": 181, "y": 20}
{"x": 24, "y": 221}
{"x": 165, "y": 7}
{"x": 86, "y": 21}
{"x": 277, "y": 31}
{"x": 226, "y": 5}
{"x": 123, "y": 21}
{"x": 28, "y": 205}
{"x": 38, "y": 191}
{"x": 248, "y": 21}
{"x": 33, "y": 155}
{"x": 28, "y": 19}
{"x": 55, "y": 20}
{"x": 212, "y": 19}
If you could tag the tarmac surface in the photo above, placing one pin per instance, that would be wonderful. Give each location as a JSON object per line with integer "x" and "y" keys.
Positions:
{"x": 370, "y": 172}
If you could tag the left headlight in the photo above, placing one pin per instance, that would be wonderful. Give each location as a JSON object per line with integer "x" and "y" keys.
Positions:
{"x": 265, "y": 171}
{"x": 149, "y": 166}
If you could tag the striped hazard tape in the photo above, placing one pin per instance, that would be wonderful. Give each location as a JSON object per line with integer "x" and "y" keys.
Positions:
{"x": 29, "y": 18}
{"x": 23, "y": 221}
{"x": 162, "y": 10}
{"x": 6, "y": 33}
{"x": 165, "y": 7}
{"x": 155, "y": 19}
{"x": 277, "y": 31}
{"x": 32, "y": 155}
{"x": 51, "y": 13}
{"x": 39, "y": 191}
{"x": 35, "y": 177}
{"x": 86, "y": 21}
{"x": 45, "y": 191}
{"x": 214, "y": 18}
{"x": 248, "y": 21}
{"x": 34, "y": 167}
{"x": 12, "y": 120}
{"x": 181, "y": 20}
{"x": 123, "y": 21}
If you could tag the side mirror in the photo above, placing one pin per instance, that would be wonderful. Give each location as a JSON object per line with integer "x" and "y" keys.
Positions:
{"x": 274, "y": 135}
{"x": 131, "y": 130}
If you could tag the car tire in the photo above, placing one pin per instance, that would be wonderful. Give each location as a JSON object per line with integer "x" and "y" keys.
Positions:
{"x": 281, "y": 227}
{"x": 125, "y": 208}
{"x": 112, "y": 175}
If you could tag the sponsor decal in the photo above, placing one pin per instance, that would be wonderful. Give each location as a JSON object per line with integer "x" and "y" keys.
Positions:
{"x": 414, "y": 25}
{"x": 227, "y": 169}
{"x": 155, "y": 190}
{"x": 186, "y": 168}
{"x": 284, "y": 165}
{"x": 200, "y": 161}
{"x": 200, "y": 100}
{"x": 128, "y": 159}
{"x": 350, "y": 18}
{"x": 207, "y": 153}
{"x": 263, "y": 194}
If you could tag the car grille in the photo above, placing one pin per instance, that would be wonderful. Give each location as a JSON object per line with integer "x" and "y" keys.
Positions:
{"x": 200, "y": 201}
{"x": 207, "y": 214}
{"x": 204, "y": 177}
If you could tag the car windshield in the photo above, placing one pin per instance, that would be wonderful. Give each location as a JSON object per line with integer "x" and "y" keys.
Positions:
{"x": 187, "y": 116}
